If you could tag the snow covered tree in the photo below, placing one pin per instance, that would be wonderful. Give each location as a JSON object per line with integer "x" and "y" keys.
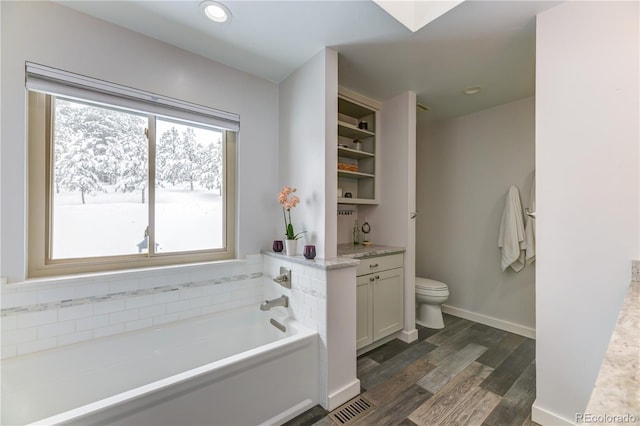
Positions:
{"x": 113, "y": 140}
{"x": 109, "y": 147}
{"x": 166, "y": 156}
{"x": 63, "y": 133}
{"x": 178, "y": 157}
{"x": 211, "y": 166}
{"x": 78, "y": 166}
{"x": 130, "y": 146}
{"x": 75, "y": 162}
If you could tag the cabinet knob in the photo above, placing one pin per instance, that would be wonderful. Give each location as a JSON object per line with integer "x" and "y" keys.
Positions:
{"x": 377, "y": 277}
{"x": 373, "y": 265}
{"x": 372, "y": 279}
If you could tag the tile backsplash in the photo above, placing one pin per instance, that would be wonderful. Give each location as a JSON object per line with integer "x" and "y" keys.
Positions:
{"x": 308, "y": 297}
{"x": 43, "y": 314}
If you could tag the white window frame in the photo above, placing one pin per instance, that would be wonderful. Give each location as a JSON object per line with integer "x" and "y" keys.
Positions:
{"x": 41, "y": 85}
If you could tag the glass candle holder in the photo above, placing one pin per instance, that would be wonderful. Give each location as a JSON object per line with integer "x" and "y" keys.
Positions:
{"x": 309, "y": 252}
{"x": 278, "y": 246}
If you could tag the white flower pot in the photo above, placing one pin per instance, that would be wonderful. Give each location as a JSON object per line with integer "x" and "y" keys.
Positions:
{"x": 291, "y": 247}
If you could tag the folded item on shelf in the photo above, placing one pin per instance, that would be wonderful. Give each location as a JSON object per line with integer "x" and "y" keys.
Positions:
{"x": 348, "y": 167}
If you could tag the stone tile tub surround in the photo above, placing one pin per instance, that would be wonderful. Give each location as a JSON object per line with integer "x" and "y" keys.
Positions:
{"x": 617, "y": 389}
{"x": 323, "y": 298}
{"x": 42, "y": 314}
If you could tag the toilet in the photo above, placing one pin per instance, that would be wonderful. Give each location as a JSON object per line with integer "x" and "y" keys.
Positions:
{"x": 430, "y": 294}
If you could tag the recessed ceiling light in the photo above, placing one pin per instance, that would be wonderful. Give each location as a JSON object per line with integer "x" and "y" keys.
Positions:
{"x": 215, "y": 11}
{"x": 472, "y": 90}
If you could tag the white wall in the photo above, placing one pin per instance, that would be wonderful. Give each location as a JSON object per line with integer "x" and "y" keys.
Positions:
{"x": 1, "y": 38}
{"x": 390, "y": 223}
{"x": 53, "y": 35}
{"x": 308, "y": 147}
{"x": 587, "y": 156}
{"x": 465, "y": 167}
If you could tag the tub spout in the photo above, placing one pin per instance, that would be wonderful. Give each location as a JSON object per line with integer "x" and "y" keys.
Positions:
{"x": 280, "y": 301}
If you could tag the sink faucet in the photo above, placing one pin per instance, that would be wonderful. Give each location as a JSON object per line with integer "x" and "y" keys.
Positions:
{"x": 280, "y": 301}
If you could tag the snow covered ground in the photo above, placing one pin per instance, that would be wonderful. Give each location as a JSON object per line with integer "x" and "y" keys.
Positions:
{"x": 112, "y": 223}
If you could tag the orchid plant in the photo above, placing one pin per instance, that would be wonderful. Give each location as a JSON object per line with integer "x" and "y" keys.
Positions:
{"x": 287, "y": 204}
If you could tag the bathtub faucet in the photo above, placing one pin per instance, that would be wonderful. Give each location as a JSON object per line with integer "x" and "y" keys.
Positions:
{"x": 284, "y": 279}
{"x": 280, "y": 301}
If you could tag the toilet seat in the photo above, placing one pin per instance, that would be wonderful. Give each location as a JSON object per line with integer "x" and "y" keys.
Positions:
{"x": 429, "y": 284}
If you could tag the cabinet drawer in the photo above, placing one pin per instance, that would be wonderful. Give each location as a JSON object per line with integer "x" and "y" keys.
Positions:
{"x": 379, "y": 263}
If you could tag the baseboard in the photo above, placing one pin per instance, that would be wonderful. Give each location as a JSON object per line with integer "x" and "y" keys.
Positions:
{"x": 491, "y": 321}
{"x": 338, "y": 398}
{"x": 546, "y": 417}
{"x": 408, "y": 336}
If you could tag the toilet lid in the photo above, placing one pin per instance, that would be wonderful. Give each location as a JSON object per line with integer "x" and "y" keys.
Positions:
{"x": 429, "y": 284}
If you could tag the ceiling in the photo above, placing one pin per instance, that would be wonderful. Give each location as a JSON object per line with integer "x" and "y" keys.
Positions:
{"x": 486, "y": 43}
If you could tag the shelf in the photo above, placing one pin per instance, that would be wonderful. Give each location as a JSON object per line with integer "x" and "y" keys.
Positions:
{"x": 353, "y": 132}
{"x": 363, "y": 184}
{"x": 342, "y": 200}
{"x": 352, "y": 109}
{"x": 354, "y": 175}
{"x": 354, "y": 153}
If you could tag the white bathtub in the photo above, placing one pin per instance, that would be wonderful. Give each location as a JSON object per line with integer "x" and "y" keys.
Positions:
{"x": 233, "y": 368}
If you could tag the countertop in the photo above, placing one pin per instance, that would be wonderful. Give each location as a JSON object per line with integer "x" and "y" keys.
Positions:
{"x": 326, "y": 264}
{"x": 617, "y": 389}
{"x": 359, "y": 251}
{"x": 348, "y": 255}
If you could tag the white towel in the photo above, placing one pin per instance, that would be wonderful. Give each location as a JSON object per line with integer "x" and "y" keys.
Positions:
{"x": 530, "y": 228}
{"x": 511, "y": 237}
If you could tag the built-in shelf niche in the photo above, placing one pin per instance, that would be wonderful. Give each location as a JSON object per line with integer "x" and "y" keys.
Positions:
{"x": 357, "y": 148}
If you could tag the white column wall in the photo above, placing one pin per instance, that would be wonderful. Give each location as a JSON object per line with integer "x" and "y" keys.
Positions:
{"x": 389, "y": 220}
{"x": 306, "y": 97}
{"x": 587, "y": 182}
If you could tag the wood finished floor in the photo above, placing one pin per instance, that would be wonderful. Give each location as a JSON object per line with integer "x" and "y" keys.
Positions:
{"x": 464, "y": 374}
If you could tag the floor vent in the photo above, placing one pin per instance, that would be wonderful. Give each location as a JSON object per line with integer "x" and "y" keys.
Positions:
{"x": 351, "y": 411}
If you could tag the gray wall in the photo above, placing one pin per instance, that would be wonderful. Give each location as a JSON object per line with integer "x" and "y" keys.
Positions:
{"x": 53, "y": 35}
{"x": 465, "y": 166}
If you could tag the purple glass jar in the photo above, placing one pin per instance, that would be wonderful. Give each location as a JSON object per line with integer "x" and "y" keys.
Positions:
{"x": 309, "y": 252}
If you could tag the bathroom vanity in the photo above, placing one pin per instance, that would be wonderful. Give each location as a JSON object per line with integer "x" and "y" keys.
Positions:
{"x": 379, "y": 292}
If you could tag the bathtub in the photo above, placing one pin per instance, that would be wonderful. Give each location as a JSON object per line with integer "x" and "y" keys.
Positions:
{"x": 231, "y": 368}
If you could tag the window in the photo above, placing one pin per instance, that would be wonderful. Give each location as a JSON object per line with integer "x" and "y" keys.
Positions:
{"x": 118, "y": 184}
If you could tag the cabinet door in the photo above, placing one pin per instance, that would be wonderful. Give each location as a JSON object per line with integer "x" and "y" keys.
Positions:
{"x": 364, "y": 311}
{"x": 388, "y": 302}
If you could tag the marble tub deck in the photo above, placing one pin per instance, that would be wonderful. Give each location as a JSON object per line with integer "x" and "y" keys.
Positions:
{"x": 617, "y": 389}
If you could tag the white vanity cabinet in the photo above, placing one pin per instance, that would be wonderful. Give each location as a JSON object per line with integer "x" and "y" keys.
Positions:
{"x": 379, "y": 298}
